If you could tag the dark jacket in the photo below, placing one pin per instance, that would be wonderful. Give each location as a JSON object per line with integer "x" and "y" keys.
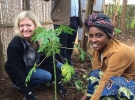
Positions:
{"x": 60, "y": 12}
{"x": 15, "y": 65}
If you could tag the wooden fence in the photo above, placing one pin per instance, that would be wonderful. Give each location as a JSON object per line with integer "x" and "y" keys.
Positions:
{"x": 9, "y": 10}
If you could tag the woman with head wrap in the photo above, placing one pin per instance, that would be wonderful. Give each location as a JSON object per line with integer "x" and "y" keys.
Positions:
{"x": 113, "y": 63}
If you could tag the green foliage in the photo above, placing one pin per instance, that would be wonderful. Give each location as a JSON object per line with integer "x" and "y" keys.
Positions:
{"x": 50, "y": 46}
{"x": 80, "y": 84}
{"x": 85, "y": 76}
{"x": 120, "y": 10}
{"x": 133, "y": 23}
{"x": 67, "y": 72}
{"x": 49, "y": 38}
{"x": 117, "y": 31}
{"x": 130, "y": 23}
{"x": 83, "y": 53}
{"x": 64, "y": 29}
{"x": 44, "y": 35}
{"x": 30, "y": 73}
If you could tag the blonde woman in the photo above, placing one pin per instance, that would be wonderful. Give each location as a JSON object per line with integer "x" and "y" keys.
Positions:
{"x": 22, "y": 54}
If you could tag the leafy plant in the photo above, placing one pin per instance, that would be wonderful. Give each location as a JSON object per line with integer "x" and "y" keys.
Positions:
{"x": 30, "y": 73}
{"x": 130, "y": 23}
{"x": 117, "y": 31}
{"x": 133, "y": 23}
{"x": 82, "y": 52}
{"x": 50, "y": 46}
{"x": 80, "y": 84}
{"x": 67, "y": 72}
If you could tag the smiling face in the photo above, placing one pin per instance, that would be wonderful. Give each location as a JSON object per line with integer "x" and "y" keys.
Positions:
{"x": 27, "y": 27}
{"x": 98, "y": 39}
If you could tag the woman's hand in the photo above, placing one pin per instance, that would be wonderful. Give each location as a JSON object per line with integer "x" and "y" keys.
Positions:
{"x": 84, "y": 97}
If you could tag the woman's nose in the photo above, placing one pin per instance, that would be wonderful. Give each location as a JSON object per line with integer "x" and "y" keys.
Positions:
{"x": 25, "y": 27}
{"x": 93, "y": 39}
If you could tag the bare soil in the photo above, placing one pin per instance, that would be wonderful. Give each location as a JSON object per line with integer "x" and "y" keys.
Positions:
{"x": 8, "y": 92}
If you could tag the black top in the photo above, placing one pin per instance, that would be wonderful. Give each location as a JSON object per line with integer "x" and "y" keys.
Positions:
{"x": 15, "y": 65}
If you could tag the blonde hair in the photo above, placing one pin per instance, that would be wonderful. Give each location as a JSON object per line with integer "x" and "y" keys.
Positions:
{"x": 33, "y": 18}
{"x": 22, "y": 16}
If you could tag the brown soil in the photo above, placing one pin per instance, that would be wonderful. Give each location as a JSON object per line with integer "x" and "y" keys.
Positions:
{"x": 8, "y": 92}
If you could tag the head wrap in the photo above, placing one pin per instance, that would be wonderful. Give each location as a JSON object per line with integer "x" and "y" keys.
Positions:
{"x": 100, "y": 21}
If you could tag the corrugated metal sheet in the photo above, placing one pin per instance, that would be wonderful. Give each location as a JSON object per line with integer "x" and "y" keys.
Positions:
{"x": 99, "y": 5}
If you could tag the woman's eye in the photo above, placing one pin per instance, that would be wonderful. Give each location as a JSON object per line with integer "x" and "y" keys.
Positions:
{"x": 28, "y": 25}
{"x": 98, "y": 35}
{"x": 21, "y": 26}
{"x": 90, "y": 35}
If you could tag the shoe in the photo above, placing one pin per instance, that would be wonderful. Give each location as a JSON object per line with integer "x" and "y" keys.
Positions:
{"x": 62, "y": 89}
{"x": 30, "y": 96}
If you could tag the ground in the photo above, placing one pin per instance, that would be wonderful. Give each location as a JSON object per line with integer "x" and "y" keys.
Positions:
{"x": 8, "y": 92}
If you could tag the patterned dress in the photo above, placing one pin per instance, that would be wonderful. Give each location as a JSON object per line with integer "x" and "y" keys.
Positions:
{"x": 117, "y": 88}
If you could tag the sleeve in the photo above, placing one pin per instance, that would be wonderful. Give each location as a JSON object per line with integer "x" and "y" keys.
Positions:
{"x": 117, "y": 64}
{"x": 15, "y": 68}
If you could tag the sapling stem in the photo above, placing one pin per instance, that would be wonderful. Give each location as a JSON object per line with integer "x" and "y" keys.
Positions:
{"x": 55, "y": 79}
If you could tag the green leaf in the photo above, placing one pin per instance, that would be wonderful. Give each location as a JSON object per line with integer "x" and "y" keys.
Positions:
{"x": 67, "y": 71}
{"x": 133, "y": 23}
{"x": 117, "y": 31}
{"x": 30, "y": 73}
{"x": 65, "y": 29}
{"x": 83, "y": 53}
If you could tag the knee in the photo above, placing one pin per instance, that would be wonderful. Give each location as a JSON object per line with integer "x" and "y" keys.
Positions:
{"x": 48, "y": 76}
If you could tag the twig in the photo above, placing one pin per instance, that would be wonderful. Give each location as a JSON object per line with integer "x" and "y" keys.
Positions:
{"x": 43, "y": 59}
{"x": 81, "y": 69}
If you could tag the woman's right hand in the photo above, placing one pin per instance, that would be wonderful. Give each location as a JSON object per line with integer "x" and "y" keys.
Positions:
{"x": 84, "y": 97}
